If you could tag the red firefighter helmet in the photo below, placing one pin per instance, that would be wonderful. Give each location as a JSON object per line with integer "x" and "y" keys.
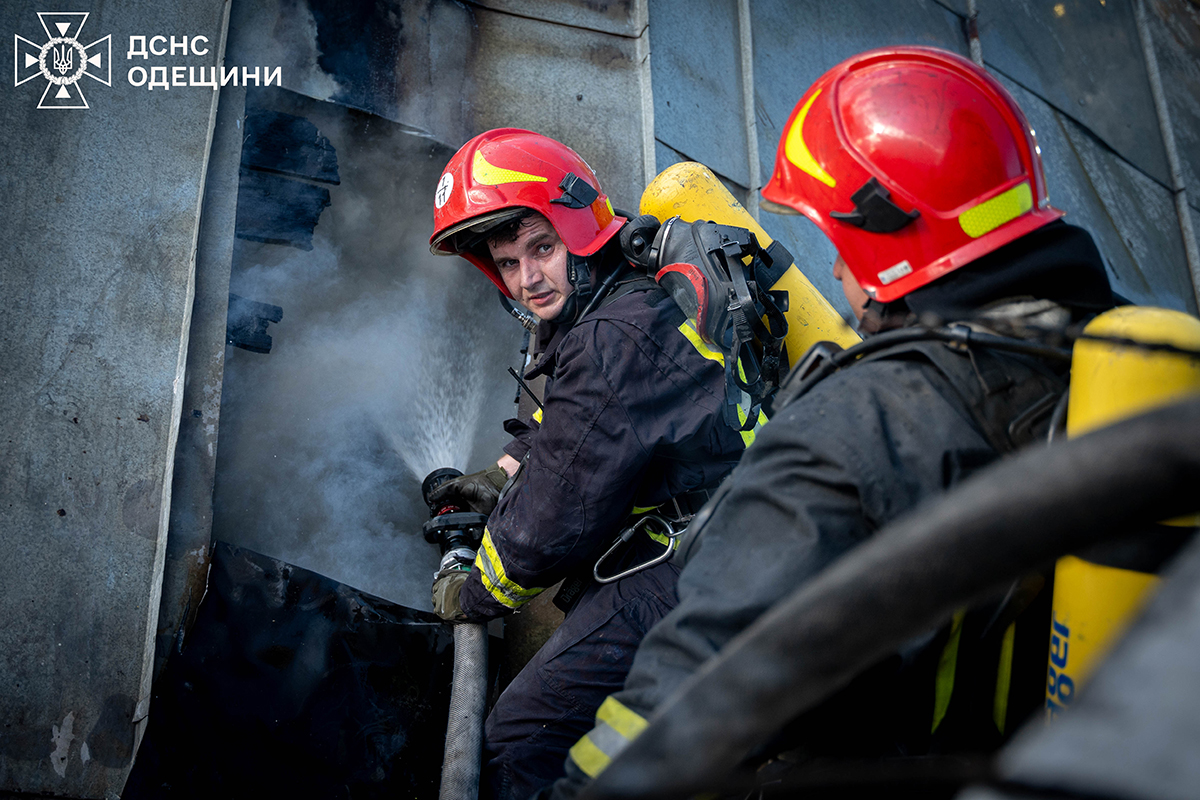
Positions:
{"x": 500, "y": 173}
{"x": 914, "y": 162}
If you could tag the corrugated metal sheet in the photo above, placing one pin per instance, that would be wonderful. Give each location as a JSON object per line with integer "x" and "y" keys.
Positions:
{"x": 1077, "y": 67}
{"x": 794, "y": 43}
{"x": 1175, "y": 29}
{"x": 695, "y": 64}
{"x": 622, "y": 17}
{"x": 1084, "y": 58}
{"x": 1131, "y": 216}
{"x": 576, "y": 85}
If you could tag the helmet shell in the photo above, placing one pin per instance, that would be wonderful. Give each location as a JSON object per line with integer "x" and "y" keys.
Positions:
{"x": 510, "y": 169}
{"x": 942, "y": 136}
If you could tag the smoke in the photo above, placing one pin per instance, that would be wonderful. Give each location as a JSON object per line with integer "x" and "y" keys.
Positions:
{"x": 388, "y": 363}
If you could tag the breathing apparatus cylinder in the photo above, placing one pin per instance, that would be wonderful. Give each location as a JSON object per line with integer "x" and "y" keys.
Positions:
{"x": 1094, "y": 603}
{"x": 692, "y": 192}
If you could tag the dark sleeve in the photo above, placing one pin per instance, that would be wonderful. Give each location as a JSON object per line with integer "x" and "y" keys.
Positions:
{"x": 522, "y": 432}
{"x": 828, "y": 471}
{"x": 612, "y": 404}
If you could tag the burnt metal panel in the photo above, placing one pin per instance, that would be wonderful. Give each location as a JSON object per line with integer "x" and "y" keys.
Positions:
{"x": 389, "y": 363}
{"x": 407, "y": 62}
{"x": 293, "y": 685}
{"x": 697, "y": 78}
{"x": 1083, "y": 57}
{"x": 189, "y": 535}
{"x": 288, "y": 145}
{"x": 246, "y": 323}
{"x": 278, "y": 210}
{"x": 1131, "y": 216}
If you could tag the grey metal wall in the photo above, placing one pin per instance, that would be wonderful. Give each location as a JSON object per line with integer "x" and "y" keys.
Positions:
{"x": 1076, "y": 67}
{"x": 101, "y": 226}
{"x": 295, "y": 477}
{"x": 100, "y": 217}
{"x": 101, "y": 221}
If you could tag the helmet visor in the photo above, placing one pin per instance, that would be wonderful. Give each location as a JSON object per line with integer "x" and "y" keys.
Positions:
{"x": 470, "y": 233}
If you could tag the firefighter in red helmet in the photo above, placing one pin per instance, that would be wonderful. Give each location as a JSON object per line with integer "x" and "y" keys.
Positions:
{"x": 592, "y": 490}
{"x": 926, "y": 176}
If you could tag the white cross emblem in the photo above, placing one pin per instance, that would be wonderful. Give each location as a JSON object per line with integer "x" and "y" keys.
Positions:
{"x": 62, "y": 60}
{"x": 444, "y": 188}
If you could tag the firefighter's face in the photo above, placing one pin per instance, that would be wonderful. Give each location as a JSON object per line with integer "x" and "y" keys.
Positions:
{"x": 855, "y": 295}
{"x": 534, "y": 267}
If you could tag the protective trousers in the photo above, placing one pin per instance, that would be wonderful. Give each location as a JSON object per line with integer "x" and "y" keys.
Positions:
{"x": 864, "y": 446}
{"x": 553, "y": 700}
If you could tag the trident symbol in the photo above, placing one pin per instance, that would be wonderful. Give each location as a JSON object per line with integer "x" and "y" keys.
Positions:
{"x": 63, "y": 58}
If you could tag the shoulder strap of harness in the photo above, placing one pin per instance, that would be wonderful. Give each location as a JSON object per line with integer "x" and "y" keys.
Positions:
{"x": 1010, "y": 385}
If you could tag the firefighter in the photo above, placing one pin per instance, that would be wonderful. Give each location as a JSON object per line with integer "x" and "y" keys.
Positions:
{"x": 925, "y": 175}
{"x": 630, "y": 431}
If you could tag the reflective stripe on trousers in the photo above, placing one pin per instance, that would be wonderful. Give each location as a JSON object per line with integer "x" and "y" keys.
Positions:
{"x": 616, "y": 727}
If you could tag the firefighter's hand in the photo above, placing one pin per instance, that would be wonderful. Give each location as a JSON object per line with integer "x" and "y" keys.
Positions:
{"x": 448, "y": 582}
{"x": 479, "y": 490}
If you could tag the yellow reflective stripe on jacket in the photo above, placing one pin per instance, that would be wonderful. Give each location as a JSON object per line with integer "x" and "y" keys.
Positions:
{"x": 702, "y": 347}
{"x": 616, "y": 727}
{"x": 1004, "y": 677}
{"x": 943, "y": 687}
{"x": 748, "y": 436}
{"x": 707, "y": 351}
{"x": 537, "y": 415}
{"x": 495, "y": 580}
{"x": 663, "y": 540}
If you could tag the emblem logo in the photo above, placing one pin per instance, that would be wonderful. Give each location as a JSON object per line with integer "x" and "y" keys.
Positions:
{"x": 444, "y": 188}
{"x": 62, "y": 60}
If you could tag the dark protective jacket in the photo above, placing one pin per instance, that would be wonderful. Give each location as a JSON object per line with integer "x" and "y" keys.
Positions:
{"x": 632, "y": 417}
{"x": 862, "y": 447}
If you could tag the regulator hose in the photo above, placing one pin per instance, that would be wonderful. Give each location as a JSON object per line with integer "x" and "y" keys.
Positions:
{"x": 1015, "y": 516}
{"x": 464, "y": 728}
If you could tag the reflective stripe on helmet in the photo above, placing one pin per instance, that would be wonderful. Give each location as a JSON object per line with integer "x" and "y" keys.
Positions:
{"x": 797, "y": 150}
{"x": 991, "y": 214}
{"x": 616, "y": 727}
{"x": 491, "y": 571}
{"x": 491, "y": 175}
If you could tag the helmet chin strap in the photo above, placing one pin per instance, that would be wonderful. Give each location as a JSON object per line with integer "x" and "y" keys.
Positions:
{"x": 579, "y": 275}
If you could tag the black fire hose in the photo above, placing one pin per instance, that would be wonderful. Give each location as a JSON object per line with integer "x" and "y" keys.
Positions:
{"x": 1012, "y": 518}
{"x": 459, "y": 531}
{"x": 468, "y": 702}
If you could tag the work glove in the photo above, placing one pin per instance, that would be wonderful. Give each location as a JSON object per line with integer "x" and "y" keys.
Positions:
{"x": 479, "y": 490}
{"x": 448, "y": 582}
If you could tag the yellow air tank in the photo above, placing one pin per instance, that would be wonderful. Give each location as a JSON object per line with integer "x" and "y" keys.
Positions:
{"x": 691, "y": 191}
{"x": 1094, "y": 603}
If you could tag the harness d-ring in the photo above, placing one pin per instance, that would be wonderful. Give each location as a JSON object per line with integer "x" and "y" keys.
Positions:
{"x": 642, "y": 524}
